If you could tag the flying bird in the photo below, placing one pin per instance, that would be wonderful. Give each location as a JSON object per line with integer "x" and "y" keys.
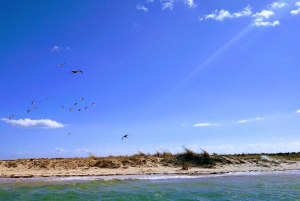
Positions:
{"x": 125, "y": 136}
{"x": 93, "y": 103}
{"x": 71, "y": 109}
{"x": 79, "y": 109}
{"x": 12, "y": 115}
{"x": 28, "y": 111}
{"x": 75, "y": 71}
{"x": 34, "y": 107}
{"x": 86, "y": 108}
{"x": 33, "y": 102}
{"x": 75, "y": 104}
{"x": 9, "y": 118}
{"x": 62, "y": 106}
{"x": 46, "y": 98}
{"x": 69, "y": 133}
{"x": 81, "y": 98}
{"x": 60, "y": 65}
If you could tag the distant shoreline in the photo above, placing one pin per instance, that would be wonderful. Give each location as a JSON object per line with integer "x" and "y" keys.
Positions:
{"x": 187, "y": 163}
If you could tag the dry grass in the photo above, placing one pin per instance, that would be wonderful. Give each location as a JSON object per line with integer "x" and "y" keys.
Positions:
{"x": 186, "y": 159}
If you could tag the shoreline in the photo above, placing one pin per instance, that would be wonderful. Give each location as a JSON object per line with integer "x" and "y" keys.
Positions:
{"x": 188, "y": 163}
{"x": 219, "y": 169}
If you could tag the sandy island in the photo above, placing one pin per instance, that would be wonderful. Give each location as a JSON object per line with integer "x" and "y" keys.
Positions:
{"x": 188, "y": 162}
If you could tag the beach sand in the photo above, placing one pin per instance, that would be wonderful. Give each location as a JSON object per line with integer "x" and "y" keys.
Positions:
{"x": 142, "y": 164}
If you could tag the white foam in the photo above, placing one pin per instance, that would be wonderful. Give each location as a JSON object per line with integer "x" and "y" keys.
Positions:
{"x": 144, "y": 177}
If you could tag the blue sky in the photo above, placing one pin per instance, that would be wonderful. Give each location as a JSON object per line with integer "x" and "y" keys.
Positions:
{"x": 216, "y": 75}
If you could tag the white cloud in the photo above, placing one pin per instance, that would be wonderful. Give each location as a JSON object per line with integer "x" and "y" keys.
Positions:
{"x": 297, "y": 11}
{"x": 167, "y": 4}
{"x": 259, "y": 22}
{"x": 190, "y": 3}
{"x": 205, "y": 124}
{"x": 253, "y": 119}
{"x": 29, "y": 123}
{"x": 78, "y": 150}
{"x": 254, "y": 148}
{"x": 150, "y": 1}
{"x": 278, "y": 4}
{"x": 141, "y": 7}
{"x": 56, "y": 48}
{"x": 183, "y": 125}
{"x": 263, "y": 14}
{"x": 298, "y": 111}
{"x": 226, "y": 14}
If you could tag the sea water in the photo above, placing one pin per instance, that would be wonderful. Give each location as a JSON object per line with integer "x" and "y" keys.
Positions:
{"x": 284, "y": 185}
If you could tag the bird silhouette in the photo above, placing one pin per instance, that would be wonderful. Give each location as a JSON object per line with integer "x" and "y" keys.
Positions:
{"x": 33, "y": 102}
{"x": 81, "y": 98}
{"x": 35, "y": 107}
{"x": 86, "y": 108}
{"x": 28, "y": 111}
{"x": 93, "y": 103}
{"x": 46, "y": 98}
{"x": 62, "y": 106}
{"x": 75, "y": 103}
{"x": 60, "y": 65}
{"x": 75, "y": 71}
{"x": 125, "y": 136}
{"x": 79, "y": 109}
{"x": 71, "y": 109}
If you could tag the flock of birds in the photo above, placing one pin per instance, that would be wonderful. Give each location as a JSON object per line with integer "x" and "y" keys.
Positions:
{"x": 33, "y": 103}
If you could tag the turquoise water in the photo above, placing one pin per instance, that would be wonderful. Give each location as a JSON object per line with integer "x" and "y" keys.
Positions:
{"x": 235, "y": 186}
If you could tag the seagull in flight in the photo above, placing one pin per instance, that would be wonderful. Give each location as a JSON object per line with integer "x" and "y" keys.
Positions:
{"x": 75, "y": 71}
{"x": 34, "y": 107}
{"x": 60, "y": 65}
{"x": 125, "y": 136}
{"x": 28, "y": 111}
{"x": 81, "y": 98}
{"x": 62, "y": 106}
{"x": 33, "y": 102}
{"x": 86, "y": 108}
{"x": 75, "y": 104}
{"x": 79, "y": 109}
{"x": 93, "y": 103}
{"x": 71, "y": 109}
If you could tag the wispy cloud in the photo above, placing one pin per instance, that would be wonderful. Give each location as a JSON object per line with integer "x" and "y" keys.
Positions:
{"x": 56, "y": 49}
{"x": 298, "y": 111}
{"x": 78, "y": 150}
{"x": 259, "y": 22}
{"x": 263, "y": 14}
{"x": 253, "y": 119}
{"x": 190, "y": 3}
{"x": 254, "y": 148}
{"x": 278, "y": 4}
{"x": 222, "y": 14}
{"x": 31, "y": 123}
{"x": 297, "y": 11}
{"x": 141, "y": 7}
{"x": 168, "y": 4}
{"x": 205, "y": 124}
{"x": 59, "y": 48}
